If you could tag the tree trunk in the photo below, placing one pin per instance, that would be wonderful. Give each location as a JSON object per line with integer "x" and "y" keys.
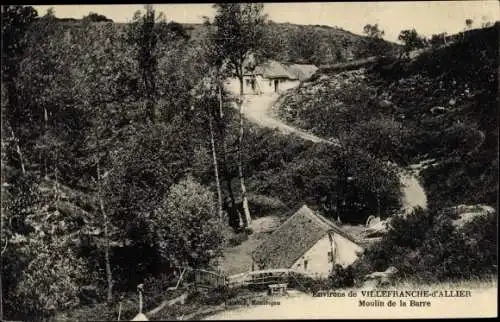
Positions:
{"x": 1, "y": 300}
{"x": 216, "y": 168}
{"x": 378, "y": 203}
{"x": 221, "y": 112}
{"x": 246, "y": 210}
{"x": 225, "y": 169}
{"x": 19, "y": 153}
{"x": 109, "y": 276}
{"x": 45, "y": 121}
{"x": 149, "y": 84}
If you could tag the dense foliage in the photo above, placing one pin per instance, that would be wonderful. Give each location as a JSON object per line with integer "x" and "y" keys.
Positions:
{"x": 435, "y": 250}
{"x": 107, "y": 160}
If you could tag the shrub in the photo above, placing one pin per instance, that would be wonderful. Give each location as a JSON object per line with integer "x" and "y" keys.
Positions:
{"x": 426, "y": 246}
{"x": 308, "y": 283}
{"x": 50, "y": 282}
{"x": 342, "y": 277}
{"x": 188, "y": 222}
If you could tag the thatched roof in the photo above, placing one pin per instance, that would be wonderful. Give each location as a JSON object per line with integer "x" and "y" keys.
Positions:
{"x": 302, "y": 71}
{"x": 272, "y": 69}
{"x": 293, "y": 238}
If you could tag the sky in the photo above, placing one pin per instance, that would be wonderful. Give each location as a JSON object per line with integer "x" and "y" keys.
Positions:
{"x": 427, "y": 18}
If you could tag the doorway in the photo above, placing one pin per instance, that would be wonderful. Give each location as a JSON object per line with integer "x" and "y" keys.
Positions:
{"x": 276, "y": 83}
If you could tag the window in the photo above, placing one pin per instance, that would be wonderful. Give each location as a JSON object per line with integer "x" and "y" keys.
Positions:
{"x": 270, "y": 83}
{"x": 305, "y": 264}
{"x": 330, "y": 257}
{"x": 248, "y": 81}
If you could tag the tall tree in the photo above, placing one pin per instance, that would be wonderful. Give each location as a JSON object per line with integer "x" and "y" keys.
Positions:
{"x": 218, "y": 72}
{"x": 468, "y": 23}
{"x": 376, "y": 45}
{"x": 144, "y": 34}
{"x": 238, "y": 33}
{"x": 207, "y": 94}
{"x": 438, "y": 39}
{"x": 411, "y": 40}
{"x": 99, "y": 96}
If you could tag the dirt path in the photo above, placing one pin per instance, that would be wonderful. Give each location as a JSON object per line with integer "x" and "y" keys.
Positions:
{"x": 259, "y": 110}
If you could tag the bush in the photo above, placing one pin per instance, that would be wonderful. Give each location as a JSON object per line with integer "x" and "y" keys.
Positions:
{"x": 426, "y": 246}
{"x": 50, "y": 282}
{"x": 342, "y": 277}
{"x": 262, "y": 205}
{"x": 188, "y": 222}
{"x": 309, "y": 284}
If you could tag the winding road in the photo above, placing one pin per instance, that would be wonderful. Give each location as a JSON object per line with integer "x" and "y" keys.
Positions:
{"x": 259, "y": 110}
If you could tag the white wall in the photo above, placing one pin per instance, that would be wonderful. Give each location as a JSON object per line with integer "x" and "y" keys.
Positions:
{"x": 318, "y": 264}
{"x": 263, "y": 85}
{"x": 233, "y": 85}
{"x": 317, "y": 259}
{"x": 347, "y": 251}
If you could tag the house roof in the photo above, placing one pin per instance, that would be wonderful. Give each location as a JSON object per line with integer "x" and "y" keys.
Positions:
{"x": 293, "y": 238}
{"x": 302, "y": 71}
{"x": 271, "y": 69}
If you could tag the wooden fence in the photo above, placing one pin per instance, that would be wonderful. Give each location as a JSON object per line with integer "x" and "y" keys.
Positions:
{"x": 261, "y": 277}
{"x": 214, "y": 279}
{"x": 209, "y": 279}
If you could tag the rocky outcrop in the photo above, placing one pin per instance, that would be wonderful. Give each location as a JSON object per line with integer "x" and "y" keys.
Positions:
{"x": 463, "y": 214}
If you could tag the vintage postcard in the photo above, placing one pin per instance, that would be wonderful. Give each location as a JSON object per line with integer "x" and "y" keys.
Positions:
{"x": 231, "y": 161}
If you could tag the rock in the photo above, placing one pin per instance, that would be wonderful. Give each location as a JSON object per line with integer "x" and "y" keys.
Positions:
{"x": 382, "y": 278}
{"x": 385, "y": 104}
{"x": 378, "y": 229}
{"x": 372, "y": 220}
{"x": 140, "y": 317}
{"x": 467, "y": 213}
{"x": 438, "y": 110}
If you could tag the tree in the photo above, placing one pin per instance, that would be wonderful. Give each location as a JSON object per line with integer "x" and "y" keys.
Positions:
{"x": 468, "y": 23}
{"x": 276, "y": 43}
{"x": 373, "y": 31}
{"x": 411, "y": 40}
{"x": 206, "y": 94}
{"x": 97, "y": 96}
{"x": 305, "y": 44}
{"x": 438, "y": 39}
{"x": 178, "y": 29}
{"x": 95, "y": 17}
{"x": 187, "y": 222}
{"x": 144, "y": 33}
{"x": 238, "y": 33}
{"x": 51, "y": 13}
{"x": 376, "y": 44}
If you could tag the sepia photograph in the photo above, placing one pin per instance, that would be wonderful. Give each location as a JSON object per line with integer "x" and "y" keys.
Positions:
{"x": 249, "y": 161}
